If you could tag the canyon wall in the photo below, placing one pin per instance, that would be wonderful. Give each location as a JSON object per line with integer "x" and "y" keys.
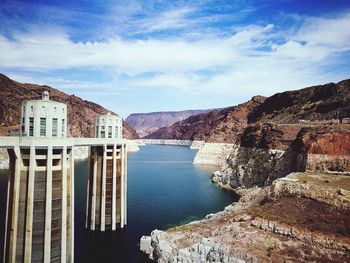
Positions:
{"x": 146, "y": 123}
{"x": 303, "y": 217}
{"x": 213, "y": 153}
{"x": 4, "y": 159}
{"x": 219, "y": 126}
{"x": 319, "y": 149}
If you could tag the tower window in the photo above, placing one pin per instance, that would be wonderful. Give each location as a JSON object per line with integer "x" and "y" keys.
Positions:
{"x": 42, "y": 126}
{"x": 54, "y": 127}
{"x": 63, "y": 127}
{"x": 31, "y": 126}
{"x": 23, "y": 126}
{"x": 109, "y": 131}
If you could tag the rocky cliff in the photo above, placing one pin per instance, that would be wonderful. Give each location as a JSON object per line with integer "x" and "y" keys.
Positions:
{"x": 213, "y": 153}
{"x": 258, "y": 161}
{"x": 312, "y": 103}
{"x": 293, "y": 177}
{"x": 146, "y": 123}
{"x": 81, "y": 113}
{"x": 221, "y": 126}
{"x": 304, "y": 217}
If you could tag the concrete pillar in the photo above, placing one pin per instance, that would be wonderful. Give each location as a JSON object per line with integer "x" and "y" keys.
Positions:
{"x": 122, "y": 197}
{"x": 64, "y": 206}
{"x": 114, "y": 189}
{"x": 91, "y": 219}
{"x": 12, "y": 208}
{"x": 29, "y": 212}
{"x": 126, "y": 185}
{"x": 7, "y": 207}
{"x": 72, "y": 198}
{"x": 103, "y": 194}
{"x": 47, "y": 237}
{"x": 87, "y": 214}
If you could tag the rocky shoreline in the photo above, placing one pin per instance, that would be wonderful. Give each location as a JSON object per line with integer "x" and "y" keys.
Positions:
{"x": 278, "y": 223}
{"x": 208, "y": 153}
{"x": 294, "y": 205}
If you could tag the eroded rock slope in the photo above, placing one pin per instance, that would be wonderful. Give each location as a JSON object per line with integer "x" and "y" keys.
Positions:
{"x": 81, "y": 113}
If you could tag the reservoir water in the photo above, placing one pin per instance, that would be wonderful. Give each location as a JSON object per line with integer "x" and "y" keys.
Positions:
{"x": 164, "y": 189}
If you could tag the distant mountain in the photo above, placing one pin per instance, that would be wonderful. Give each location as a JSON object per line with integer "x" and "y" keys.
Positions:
{"x": 81, "y": 113}
{"x": 313, "y": 103}
{"x": 223, "y": 125}
{"x": 317, "y": 103}
{"x": 146, "y": 123}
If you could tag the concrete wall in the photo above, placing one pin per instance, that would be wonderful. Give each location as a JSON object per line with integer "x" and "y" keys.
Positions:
{"x": 40, "y": 205}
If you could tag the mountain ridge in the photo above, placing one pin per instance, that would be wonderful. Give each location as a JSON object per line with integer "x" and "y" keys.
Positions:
{"x": 223, "y": 125}
{"x": 146, "y": 123}
{"x": 316, "y": 103}
{"x": 81, "y": 113}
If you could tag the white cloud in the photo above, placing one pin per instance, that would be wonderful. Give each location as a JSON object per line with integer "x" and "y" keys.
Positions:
{"x": 332, "y": 33}
{"x": 129, "y": 57}
{"x": 171, "y": 19}
{"x": 238, "y": 65}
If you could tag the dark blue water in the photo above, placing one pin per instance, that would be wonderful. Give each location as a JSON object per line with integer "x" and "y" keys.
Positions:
{"x": 164, "y": 189}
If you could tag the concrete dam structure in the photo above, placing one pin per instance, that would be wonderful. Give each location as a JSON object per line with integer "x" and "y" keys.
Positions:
{"x": 106, "y": 193}
{"x": 40, "y": 197}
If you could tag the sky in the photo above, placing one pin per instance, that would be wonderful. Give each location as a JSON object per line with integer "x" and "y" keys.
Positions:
{"x": 145, "y": 56}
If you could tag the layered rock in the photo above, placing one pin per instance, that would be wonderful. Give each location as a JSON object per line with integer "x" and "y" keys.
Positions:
{"x": 220, "y": 126}
{"x": 290, "y": 221}
{"x": 250, "y": 167}
{"x": 4, "y": 159}
{"x": 133, "y": 146}
{"x": 146, "y": 123}
{"x": 196, "y": 145}
{"x": 319, "y": 148}
{"x": 213, "y": 153}
{"x": 81, "y": 113}
{"x": 317, "y": 103}
{"x": 81, "y": 152}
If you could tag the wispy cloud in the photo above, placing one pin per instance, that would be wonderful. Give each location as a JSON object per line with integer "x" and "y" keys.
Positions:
{"x": 180, "y": 50}
{"x": 173, "y": 19}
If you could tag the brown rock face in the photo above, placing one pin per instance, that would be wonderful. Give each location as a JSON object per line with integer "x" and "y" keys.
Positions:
{"x": 224, "y": 125}
{"x": 81, "y": 113}
{"x": 305, "y": 218}
{"x": 266, "y": 136}
{"x": 258, "y": 163}
{"x": 327, "y": 140}
{"x": 313, "y": 103}
{"x": 146, "y": 123}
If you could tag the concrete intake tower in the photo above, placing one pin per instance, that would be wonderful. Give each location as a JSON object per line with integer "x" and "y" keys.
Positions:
{"x": 107, "y": 181}
{"x": 40, "y": 197}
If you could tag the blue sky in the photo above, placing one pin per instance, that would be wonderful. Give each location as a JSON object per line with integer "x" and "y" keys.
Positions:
{"x": 143, "y": 56}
